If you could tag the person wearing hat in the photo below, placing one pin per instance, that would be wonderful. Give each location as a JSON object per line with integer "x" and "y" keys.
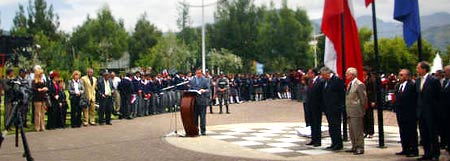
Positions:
{"x": 89, "y": 83}
{"x": 57, "y": 96}
{"x": 222, "y": 91}
{"x": 105, "y": 93}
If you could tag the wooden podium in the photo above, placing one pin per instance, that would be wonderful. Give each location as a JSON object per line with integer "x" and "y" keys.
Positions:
{"x": 187, "y": 110}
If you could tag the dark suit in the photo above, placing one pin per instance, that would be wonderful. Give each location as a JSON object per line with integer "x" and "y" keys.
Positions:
{"x": 427, "y": 109}
{"x": 201, "y": 101}
{"x": 126, "y": 88}
{"x": 105, "y": 101}
{"x": 405, "y": 110}
{"x": 333, "y": 97}
{"x": 444, "y": 107}
{"x": 315, "y": 106}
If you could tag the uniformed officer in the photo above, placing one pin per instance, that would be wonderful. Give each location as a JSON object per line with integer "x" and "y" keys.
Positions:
{"x": 222, "y": 91}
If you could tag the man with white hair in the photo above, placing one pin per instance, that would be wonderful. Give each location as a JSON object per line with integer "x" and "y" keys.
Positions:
{"x": 355, "y": 104}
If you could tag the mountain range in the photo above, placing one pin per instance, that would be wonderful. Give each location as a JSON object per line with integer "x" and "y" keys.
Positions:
{"x": 435, "y": 28}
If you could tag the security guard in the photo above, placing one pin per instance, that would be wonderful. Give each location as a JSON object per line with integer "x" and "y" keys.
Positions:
{"x": 222, "y": 91}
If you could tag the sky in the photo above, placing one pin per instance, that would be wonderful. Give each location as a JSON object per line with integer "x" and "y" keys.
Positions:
{"x": 163, "y": 13}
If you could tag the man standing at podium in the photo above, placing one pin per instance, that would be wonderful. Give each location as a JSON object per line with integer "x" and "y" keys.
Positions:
{"x": 200, "y": 83}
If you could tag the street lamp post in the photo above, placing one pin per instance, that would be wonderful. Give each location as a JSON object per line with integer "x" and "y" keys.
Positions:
{"x": 203, "y": 38}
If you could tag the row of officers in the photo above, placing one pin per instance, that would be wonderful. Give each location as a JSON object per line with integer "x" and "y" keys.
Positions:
{"x": 422, "y": 103}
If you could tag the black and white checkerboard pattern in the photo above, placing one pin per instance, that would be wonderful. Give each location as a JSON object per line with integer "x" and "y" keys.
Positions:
{"x": 284, "y": 141}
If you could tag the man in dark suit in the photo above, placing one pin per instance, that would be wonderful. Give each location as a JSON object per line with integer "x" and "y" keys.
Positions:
{"x": 405, "y": 110}
{"x": 333, "y": 98}
{"x": 445, "y": 105}
{"x": 428, "y": 89}
{"x": 200, "y": 83}
{"x": 126, "y": 88}
{"x": 315, "y": 105}
{"x": 104, "y": 96}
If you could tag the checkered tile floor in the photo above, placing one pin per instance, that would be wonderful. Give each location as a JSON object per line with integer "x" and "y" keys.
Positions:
{"x": 284, "y": 141}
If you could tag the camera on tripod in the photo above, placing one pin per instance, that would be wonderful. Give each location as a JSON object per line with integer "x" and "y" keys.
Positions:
{"x": 21, "y": 94}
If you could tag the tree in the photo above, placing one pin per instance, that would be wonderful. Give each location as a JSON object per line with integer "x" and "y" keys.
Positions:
{"x": 144, "y": 37}
{"x": 169, "y": 53}
{"x": 100, "y": 40}
{"x": 225, "y": 61}
{"x": 446, "y": 57}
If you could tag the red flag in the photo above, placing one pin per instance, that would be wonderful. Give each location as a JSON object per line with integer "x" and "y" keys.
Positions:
{"x": 332, "y": 28}
{"x": 368, "y": 2}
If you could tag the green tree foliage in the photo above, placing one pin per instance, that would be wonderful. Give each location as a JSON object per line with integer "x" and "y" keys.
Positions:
{"x": 278, "y": 38}
{"x": 446, "y": 56}
{"x": 144, "y": 37}
{"x": 101, "y": 39}
{"x": 234, "y": 29}
{"x": 169, "y": 53}
{"x": 394, "y": 54}
{"x": 224, "y": 60}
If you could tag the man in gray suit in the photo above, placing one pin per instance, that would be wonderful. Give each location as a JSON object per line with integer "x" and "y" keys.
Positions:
{"x": 355, "y": 102}
{"x": 200, "y": 83}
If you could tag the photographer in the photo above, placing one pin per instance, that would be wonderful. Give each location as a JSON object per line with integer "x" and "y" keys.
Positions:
{"x": 24, "y": 81}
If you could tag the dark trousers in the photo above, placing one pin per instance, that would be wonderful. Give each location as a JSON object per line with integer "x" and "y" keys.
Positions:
{"x": 125, "y": 108}
{"x": 105, "y": 110}
{"x": 334, "y": 127}
{"x": 408, "y": 135}
{"x": 75, "y": 111}
{"x": 223, "y": 97}
{"x": 307, "y": 114}
{"x": 369, "y": 122}
{"x": 429, "y": 136}
{"x": 316, "y": 124}
{"x": 200, "y": 112}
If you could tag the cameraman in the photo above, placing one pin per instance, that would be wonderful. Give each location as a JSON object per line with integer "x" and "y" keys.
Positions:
{"x": 9, "y": 92}
{"x": 24, "y": 81}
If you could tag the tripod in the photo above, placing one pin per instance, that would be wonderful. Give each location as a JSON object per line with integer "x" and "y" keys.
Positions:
{"x": 18, "y": 122}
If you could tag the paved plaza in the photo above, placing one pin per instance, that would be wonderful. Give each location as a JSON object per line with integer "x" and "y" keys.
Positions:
{"x": 253, "y": 131}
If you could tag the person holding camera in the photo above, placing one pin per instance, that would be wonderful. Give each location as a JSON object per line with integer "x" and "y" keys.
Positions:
{"x": 40, "y": 96}
{"x": 78, "y": 100}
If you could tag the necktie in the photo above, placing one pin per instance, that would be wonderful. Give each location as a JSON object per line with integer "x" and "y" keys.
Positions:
{"x": 91, "y": 81}
{"x": 401, "y": 88}
{"x": 349, "y": 87}
{"x": 107, "y": 88}
{"x": 311, "y": 84}
{"x": 422, "y": 82}
{"x": 447, "y": 83}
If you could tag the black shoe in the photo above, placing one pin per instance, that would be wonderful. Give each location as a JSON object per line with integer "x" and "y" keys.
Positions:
{"x": 330, "y": 147}
{"x": 401, "y": 153}
{"x": 228, "y": 112}
{"x": 423, "y": 158}
{"x": 310, "y": 143}
{"x": 203, "y": 134}
{"x": 317, "y": 144}
{"x": 337, "y": 147}
{"x": 220, "y": 112}
{"x": 211, "y": 112}
{"x": 108, "y": 123}
{"x": 409, "y": 155}
{"x": 350, "y": 151}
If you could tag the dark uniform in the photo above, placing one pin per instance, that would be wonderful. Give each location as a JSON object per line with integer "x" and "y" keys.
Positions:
{"x": 222, "y": 92}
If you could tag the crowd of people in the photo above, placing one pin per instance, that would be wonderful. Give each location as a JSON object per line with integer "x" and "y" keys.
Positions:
{"x": 422, "y": 102}
{"x": 128, "y": 95}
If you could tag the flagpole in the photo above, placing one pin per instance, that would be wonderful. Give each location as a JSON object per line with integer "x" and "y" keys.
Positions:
{"x": 344, "y": 119}
{"x": 377, "y": 69}
{"x": 419, "y": 44}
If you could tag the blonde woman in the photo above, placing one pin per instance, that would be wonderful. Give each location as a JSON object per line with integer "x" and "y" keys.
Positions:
{"x": 76, "y": 91}
{"x": 40, "y": 94}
